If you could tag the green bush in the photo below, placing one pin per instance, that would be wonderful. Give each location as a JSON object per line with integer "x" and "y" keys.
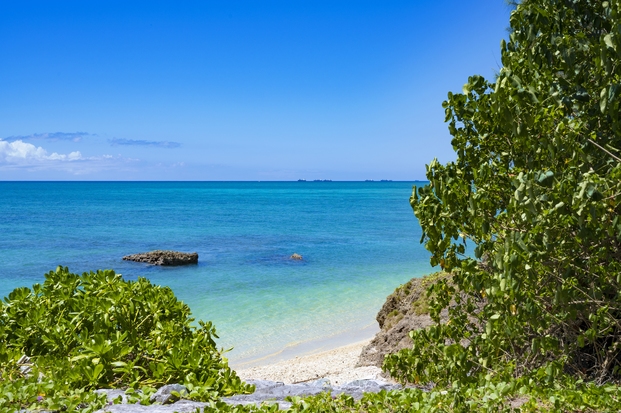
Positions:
{"x": 97, "y": 330}
{"x": 535, "y": 192}
{"x": 500, "y": 397}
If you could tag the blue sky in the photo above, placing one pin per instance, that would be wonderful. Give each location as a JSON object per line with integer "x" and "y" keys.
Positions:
{"x": 235, "y": 90}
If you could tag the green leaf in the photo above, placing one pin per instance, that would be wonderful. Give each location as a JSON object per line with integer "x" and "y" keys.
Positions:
{"x": 609, "y": 42}
{"x": 603, "y": 101}
{"x": 546, "y": 178}
{"x": 98, "y": 370}
{"x": 118, "y": 364}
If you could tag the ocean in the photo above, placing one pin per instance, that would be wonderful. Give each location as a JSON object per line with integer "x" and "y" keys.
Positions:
{"x": 359, "y": 241}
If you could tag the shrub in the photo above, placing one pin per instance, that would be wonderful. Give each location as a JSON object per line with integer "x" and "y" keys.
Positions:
{"x": 97, "y": 330}
{"x": 536, "y": 191}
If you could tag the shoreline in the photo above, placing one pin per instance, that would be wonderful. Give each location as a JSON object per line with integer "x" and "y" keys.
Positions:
{"x": 337, "y": 366}
{"x": 308, "y": 348}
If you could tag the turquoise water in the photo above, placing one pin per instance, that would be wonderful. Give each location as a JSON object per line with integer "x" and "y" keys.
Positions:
{"x": 359, "y": 241}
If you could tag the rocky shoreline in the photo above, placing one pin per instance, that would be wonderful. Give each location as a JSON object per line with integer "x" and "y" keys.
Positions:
{"x": 270, "y": 392}
{"x": 406, "y": 309}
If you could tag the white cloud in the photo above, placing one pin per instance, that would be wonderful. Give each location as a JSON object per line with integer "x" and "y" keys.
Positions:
{"x": 53, "y": 136}
{"x": 19, "y": 160}
{"x": 21, "y": 152}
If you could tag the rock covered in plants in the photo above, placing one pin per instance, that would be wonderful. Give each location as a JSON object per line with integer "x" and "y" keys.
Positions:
{"x": 163, "y": 257}
{"x": 276, "y": 391}
{"x": 182, "y": 406}
{"x": 167, "y": 393}
{"x": 406, "y": 309}
{"x": 266, "y": 392}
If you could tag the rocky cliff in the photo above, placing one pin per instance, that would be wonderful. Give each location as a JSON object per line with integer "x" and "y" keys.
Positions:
{"x": 406, "y": 309}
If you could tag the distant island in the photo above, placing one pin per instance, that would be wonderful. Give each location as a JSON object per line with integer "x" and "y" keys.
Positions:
{"x": 330, "y": 180}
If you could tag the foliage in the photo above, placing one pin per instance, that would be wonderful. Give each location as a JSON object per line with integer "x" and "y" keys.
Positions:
{"x": 97, "y": 330}
{"x": 536, "y": 190}
{"x": 524, "y": 395}
{"x": 421, "y": 305}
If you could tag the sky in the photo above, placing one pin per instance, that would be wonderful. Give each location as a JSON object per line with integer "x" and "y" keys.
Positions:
{"x": 236, "y": 90}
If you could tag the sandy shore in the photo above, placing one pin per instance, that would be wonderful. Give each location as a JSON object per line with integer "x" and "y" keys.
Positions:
{"x": 337, "y": 365}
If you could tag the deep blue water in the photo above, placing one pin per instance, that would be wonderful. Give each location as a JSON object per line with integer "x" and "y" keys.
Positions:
{"x": 359, "y": 240}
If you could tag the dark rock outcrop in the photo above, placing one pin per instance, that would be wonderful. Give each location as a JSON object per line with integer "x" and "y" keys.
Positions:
{"x": 160, "y": 257}
{"x": 404, "y": 310}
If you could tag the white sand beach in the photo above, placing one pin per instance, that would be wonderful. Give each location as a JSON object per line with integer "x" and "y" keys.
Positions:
{"x": 337, "y": 365}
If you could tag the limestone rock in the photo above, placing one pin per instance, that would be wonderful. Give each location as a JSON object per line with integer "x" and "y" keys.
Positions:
{"x": 404, "y": 310}
{"x": 160, "y": 257}
{"x": 266, "y": 391}
{"x": 164, "y": 394}
{"x": 182, "y": 406}
{"x": 296, "y": 256}
{"x": 277, "y": 392}
{"x": 113, "y": 394}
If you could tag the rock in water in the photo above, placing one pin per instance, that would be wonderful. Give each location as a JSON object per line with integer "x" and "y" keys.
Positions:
{"x": 296, "y": 256}
{"x": 160, "y": 257}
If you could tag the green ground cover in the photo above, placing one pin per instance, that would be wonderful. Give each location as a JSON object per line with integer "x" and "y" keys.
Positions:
{"x": 96, "y": 330}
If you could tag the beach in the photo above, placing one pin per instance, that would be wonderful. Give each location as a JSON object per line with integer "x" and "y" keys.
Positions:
{"x": 337, "y": 365}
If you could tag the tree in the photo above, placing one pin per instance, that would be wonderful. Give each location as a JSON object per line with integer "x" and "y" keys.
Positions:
{"x": 535, "y": 196}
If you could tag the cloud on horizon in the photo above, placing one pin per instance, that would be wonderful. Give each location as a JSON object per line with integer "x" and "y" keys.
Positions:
{"x": 53, "y": 136}
{"x": 140, "y": 142}
{"x": 23, "y": 152}
{"x": 30, "y": 159}
{"x": 24, "y": 160}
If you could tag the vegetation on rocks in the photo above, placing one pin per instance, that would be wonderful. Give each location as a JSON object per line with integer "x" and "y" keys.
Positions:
{"x": 406, "y": 309}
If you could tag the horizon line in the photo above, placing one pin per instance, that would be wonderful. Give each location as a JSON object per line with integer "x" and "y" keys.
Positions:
{"x": 300, "y": 181}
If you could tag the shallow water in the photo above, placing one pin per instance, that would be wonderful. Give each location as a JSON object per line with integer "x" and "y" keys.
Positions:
{"x": 359, "y": 241}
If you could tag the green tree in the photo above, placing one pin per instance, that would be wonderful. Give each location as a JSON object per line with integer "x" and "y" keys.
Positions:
{"x": 534, "y": 195}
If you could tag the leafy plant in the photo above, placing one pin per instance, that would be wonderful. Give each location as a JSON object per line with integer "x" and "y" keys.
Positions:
{"x": 97, "y": 330}
{"x": 498, "y": 397}
{"x": 535, "y": 193}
